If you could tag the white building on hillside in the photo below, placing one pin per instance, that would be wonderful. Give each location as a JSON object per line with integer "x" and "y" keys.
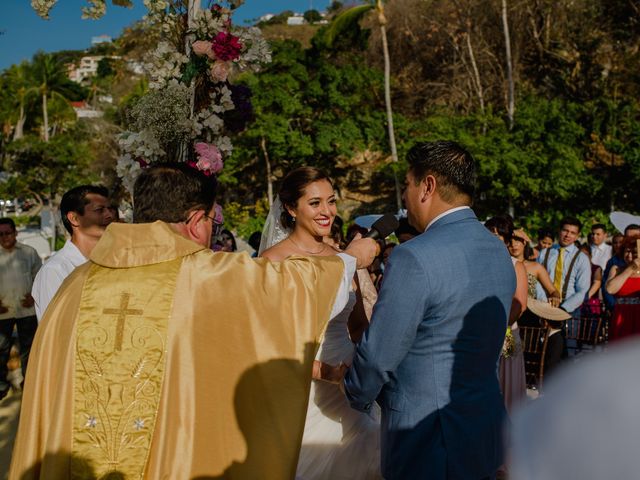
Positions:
{"x": 101, "y": 39}
{"x": 296, "y": 19}
{"x": 87, "y": 68}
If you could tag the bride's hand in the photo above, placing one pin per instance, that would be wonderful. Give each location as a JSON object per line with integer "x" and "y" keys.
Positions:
{"x": 364, "y": 249}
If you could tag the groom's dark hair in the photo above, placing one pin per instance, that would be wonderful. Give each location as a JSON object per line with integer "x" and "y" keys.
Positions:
{"x": 170, "y": 192}
{"x": 453, "y": 167}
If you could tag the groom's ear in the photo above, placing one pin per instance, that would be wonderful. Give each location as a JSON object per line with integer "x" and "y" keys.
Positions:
{"x": 428, "y": 187}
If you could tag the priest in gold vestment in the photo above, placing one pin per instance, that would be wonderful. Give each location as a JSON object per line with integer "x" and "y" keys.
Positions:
{"x": 160, "y": 359}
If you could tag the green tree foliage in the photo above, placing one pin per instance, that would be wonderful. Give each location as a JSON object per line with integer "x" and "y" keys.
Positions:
{"x": 307, "y": 110}
{"x": 105, "y": 68}
{"x": 312, "y": 16}
{"x": 48, "y": 169}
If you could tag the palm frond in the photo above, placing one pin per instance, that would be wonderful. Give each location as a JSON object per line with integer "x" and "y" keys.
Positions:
{"x": 345, "y": 21}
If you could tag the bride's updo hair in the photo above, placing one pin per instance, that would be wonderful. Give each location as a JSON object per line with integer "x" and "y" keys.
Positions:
{"x": 292, "y": 189}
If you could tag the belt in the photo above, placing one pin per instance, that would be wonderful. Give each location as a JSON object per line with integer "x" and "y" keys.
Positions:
{"x": 628, "y": 301}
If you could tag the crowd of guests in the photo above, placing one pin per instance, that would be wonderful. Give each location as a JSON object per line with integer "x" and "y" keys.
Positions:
{"x": 596, "y": 275}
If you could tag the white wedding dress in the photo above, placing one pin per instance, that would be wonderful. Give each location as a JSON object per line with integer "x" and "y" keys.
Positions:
{"x": 339, "y": 442}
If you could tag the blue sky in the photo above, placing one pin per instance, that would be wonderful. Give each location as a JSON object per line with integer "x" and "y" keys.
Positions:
{"x": 24, "y": 33}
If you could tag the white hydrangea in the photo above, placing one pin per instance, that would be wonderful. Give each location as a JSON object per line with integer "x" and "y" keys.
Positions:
{"x": 156, "y": 7}
{"x": 212, "y": 121}
{"x": 166, "y": 64}
{"x": 221, "y": 99}
{"x": 128, "y": 170}
{"x": 95, "y": 10}
{"x": 257, "y": 49}
{"x": 42, "y": 7}
{"x": 141, "y": 145}
{"x": 224, "y": 145}
{"x": 206, "y": 25}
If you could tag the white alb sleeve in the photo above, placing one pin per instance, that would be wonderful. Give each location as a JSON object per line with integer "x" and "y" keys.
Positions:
{"x": 345, "y": 284}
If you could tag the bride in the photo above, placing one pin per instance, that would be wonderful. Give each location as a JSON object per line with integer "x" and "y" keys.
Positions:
{"x": 338, "y": 442}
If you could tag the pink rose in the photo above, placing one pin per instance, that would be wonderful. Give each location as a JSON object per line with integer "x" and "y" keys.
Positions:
{"x": 220, "y": 71}
{"x": 203, "y": 48}
{"x": 209, "y": 158}
{"x": 226, "y": 46}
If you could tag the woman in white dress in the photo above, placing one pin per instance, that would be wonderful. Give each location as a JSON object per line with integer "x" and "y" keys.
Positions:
{"x": 338, "y": 442}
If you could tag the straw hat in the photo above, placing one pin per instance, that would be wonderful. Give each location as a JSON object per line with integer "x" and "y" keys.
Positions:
{"x": 547, "y": 311}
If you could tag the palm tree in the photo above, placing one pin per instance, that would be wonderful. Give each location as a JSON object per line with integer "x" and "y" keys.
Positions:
{"x": 51, "y": 81}
{"x": 19, "y": 85}
{"x": 347, "y": 20}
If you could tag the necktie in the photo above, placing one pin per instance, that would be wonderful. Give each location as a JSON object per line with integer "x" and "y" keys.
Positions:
{"x": 557, "y": 276}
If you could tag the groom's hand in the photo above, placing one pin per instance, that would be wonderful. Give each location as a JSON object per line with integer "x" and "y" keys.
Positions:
{"x": 329, "y": 373}
{"x": 365, "y": 250}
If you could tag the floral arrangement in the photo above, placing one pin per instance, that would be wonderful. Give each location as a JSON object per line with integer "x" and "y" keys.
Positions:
{"x": 191, "y": 106}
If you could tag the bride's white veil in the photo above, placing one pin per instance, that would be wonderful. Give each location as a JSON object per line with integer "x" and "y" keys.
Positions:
{"x": 273, "y": 231}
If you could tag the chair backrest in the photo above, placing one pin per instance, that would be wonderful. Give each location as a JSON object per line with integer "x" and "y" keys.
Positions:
{"x": 534, "y": 346}
{"x": 587, "y": 329}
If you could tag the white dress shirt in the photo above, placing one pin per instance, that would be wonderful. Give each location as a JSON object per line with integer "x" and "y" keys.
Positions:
{"x": 600, "y": 255}
{"x": 18, "y": 267}
{"x": 53, "y": 273}
{"x": 445, "y": 213}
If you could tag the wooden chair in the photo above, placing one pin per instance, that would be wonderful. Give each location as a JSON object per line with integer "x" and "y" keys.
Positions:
{"x": 534, "y": 346}
{"x": 588, "y": 329}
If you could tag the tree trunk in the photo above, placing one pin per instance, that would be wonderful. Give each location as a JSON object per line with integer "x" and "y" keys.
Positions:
{"x": 476, "y": 73}
{"x": 511, "y": 103}
{"x": 387, "y": 98}
{"x": 18, "y": 133}
{"x": 263, "y": 145}
{"x": 45, "y": 117}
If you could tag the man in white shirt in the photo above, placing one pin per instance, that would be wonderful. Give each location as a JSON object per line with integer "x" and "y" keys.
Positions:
{"x": 86, "y": 211}
{"x": 18, "y": 266}
{"x": 600, "y": 251}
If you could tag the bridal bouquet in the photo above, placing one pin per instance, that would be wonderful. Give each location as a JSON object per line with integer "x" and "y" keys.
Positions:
{"x": 509, "y": 345}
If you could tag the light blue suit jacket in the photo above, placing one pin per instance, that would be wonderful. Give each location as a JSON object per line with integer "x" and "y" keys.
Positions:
{"x": 431, "y": 353}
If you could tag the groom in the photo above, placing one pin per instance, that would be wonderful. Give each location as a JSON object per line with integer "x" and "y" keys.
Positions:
{"x": 430, "y": 356}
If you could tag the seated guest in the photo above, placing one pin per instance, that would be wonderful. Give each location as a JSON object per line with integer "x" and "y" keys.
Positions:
{"x": 624, "y": 284}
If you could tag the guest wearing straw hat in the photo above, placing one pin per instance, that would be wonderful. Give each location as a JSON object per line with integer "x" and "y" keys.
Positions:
{"x": 553, "y": 317}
